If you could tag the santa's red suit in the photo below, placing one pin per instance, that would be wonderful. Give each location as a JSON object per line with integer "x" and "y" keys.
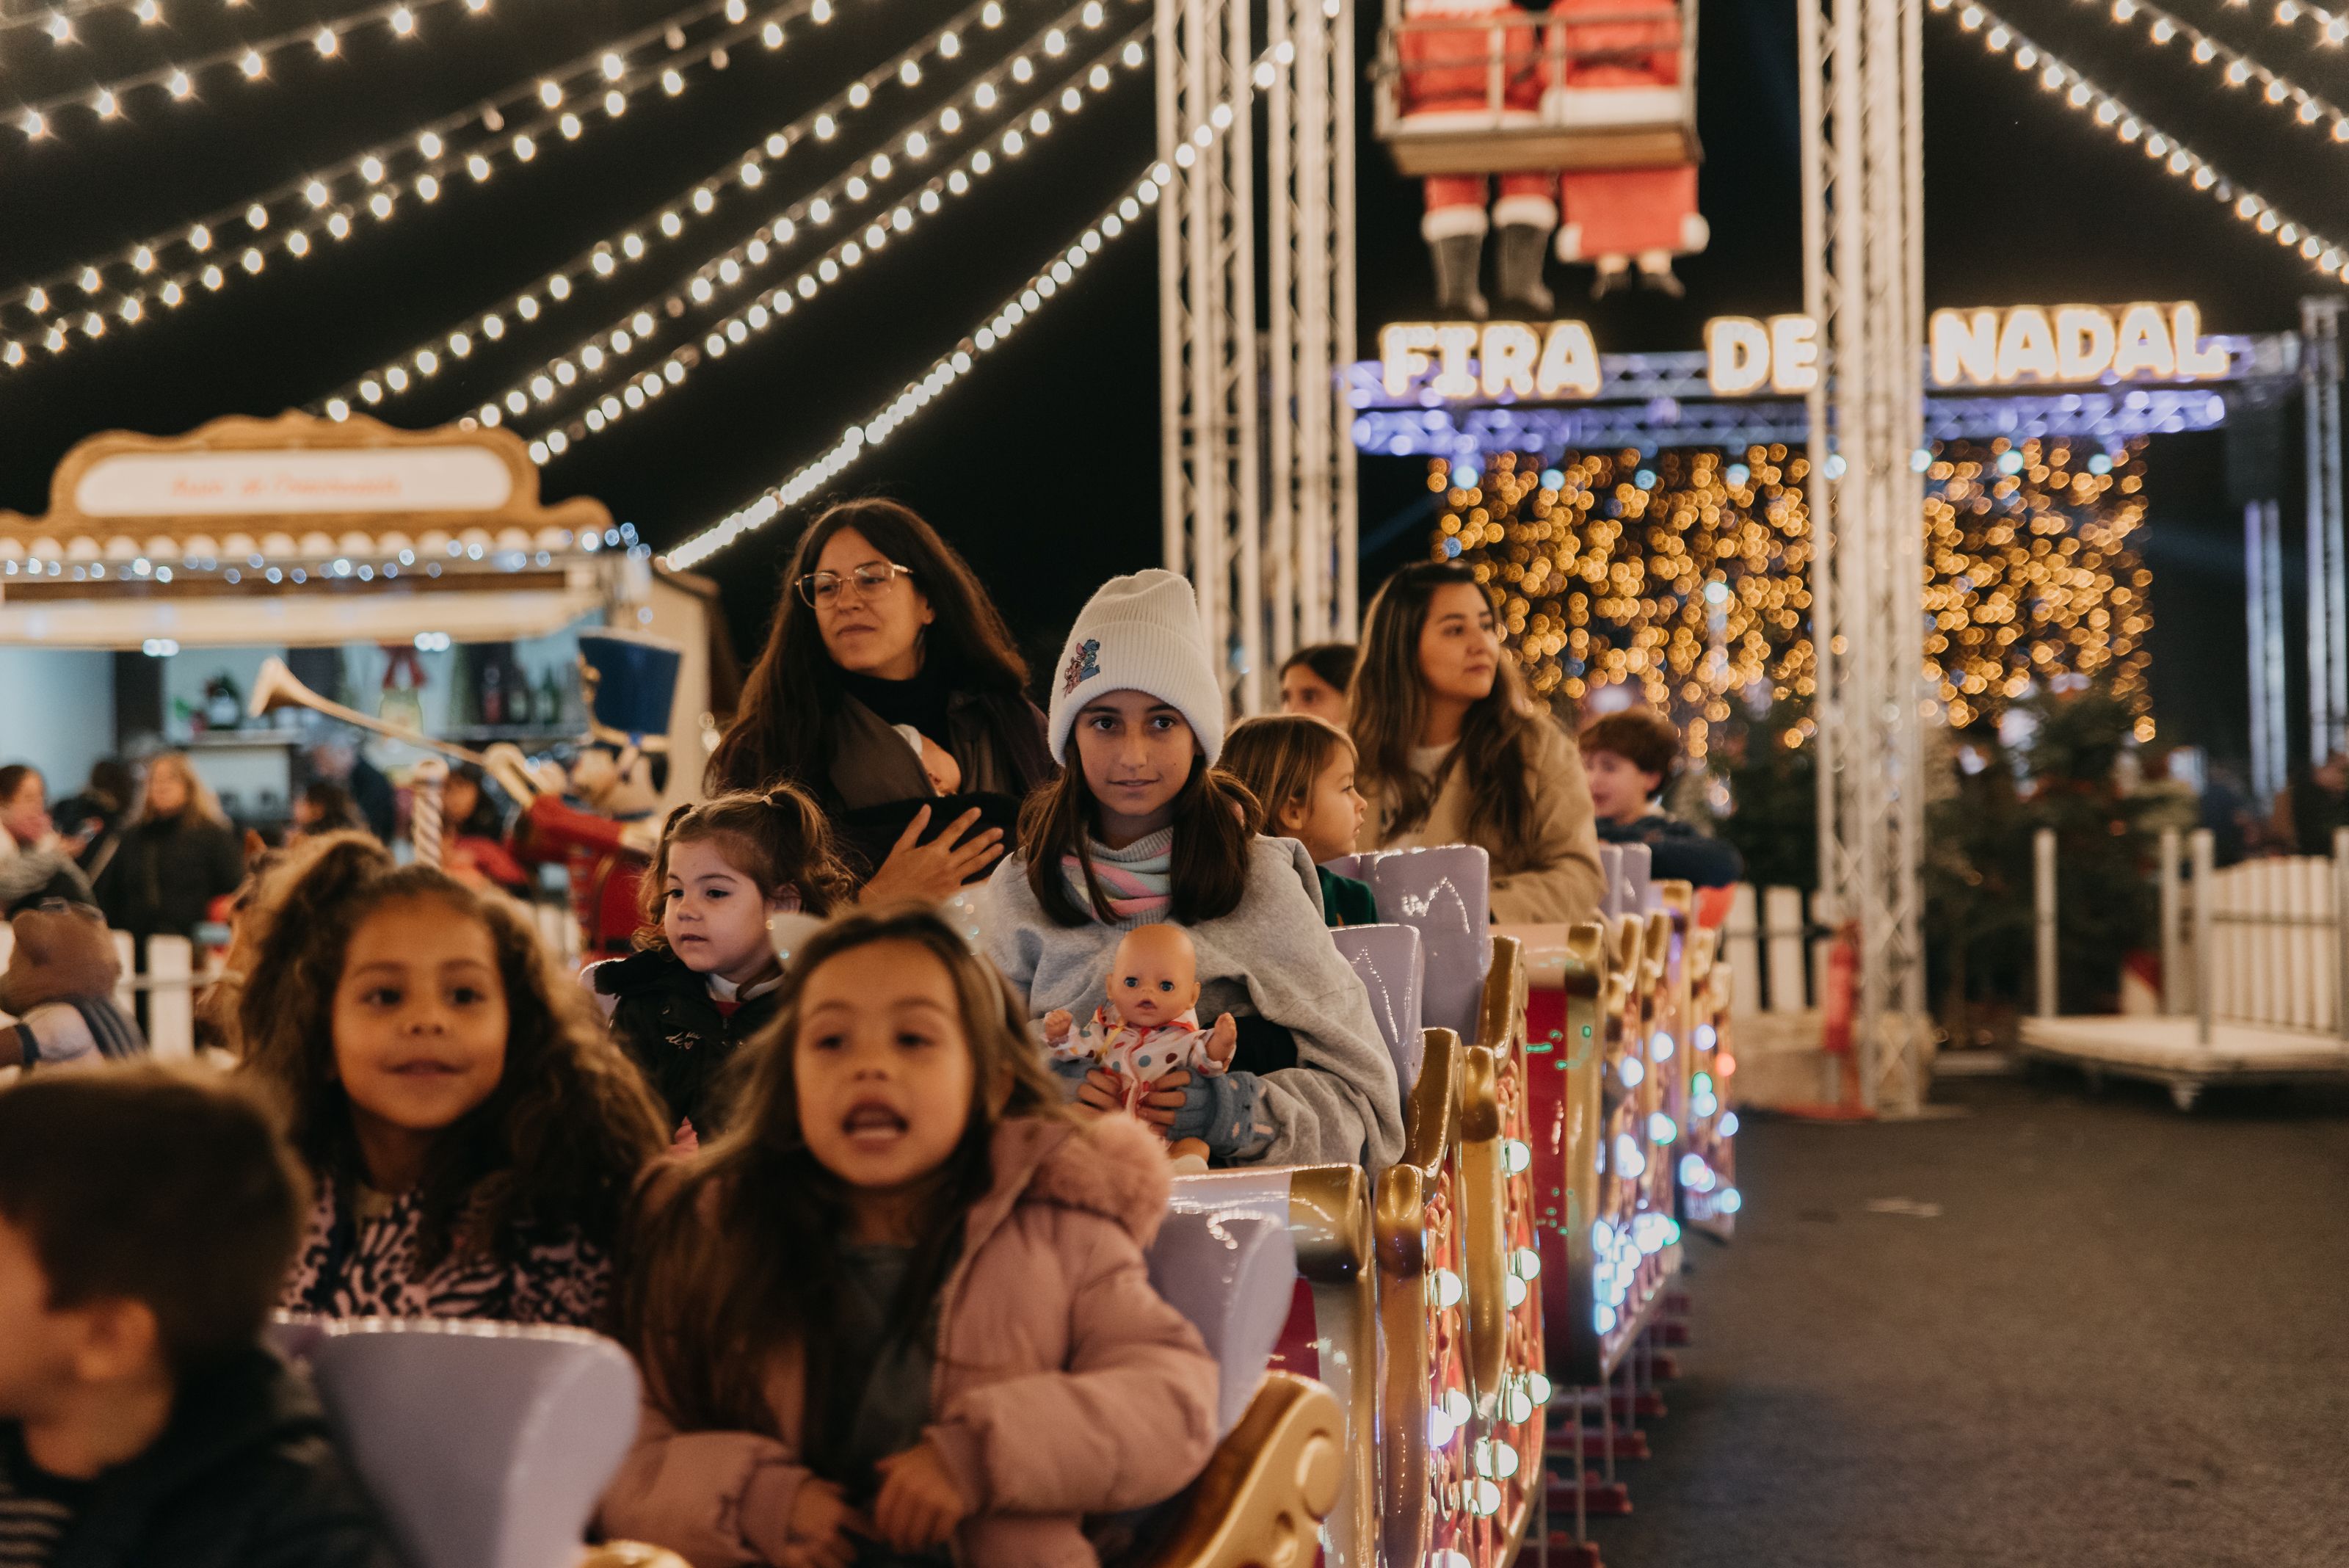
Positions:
{"x": 1447, "y": 79}
{"x": 605, "y": 871}
{"x": 1623, "y": 70}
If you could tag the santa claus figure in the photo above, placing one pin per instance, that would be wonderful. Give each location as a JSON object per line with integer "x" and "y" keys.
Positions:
{"x": 1484, "y": 74}
{"x": 1622, "y": 67}
{"x": 603, "y": 829}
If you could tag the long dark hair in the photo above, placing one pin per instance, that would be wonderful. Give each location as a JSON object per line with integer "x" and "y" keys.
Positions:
{"x": 1497, "y": 740}
{"x": 562, "y": 1138}
{"x": 1214, "y": 818}
{"x": 738, "y": 1255}
{"x": 793, "y": 692}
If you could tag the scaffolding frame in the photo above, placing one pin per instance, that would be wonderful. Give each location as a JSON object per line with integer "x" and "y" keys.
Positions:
{"x": 1257, "y": 477}
{"x": 2328, "y": 588}
{"x": 1863, "y": 281}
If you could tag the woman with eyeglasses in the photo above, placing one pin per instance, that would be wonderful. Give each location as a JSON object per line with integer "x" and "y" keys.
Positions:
{"x": 890, "y": 690}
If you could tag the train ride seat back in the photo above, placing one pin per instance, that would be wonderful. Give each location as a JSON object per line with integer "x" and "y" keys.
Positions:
{"x": 1445, "y": 893}
{"x": 486, "y": 1446}
{"x": 1325, "y": 1323}
{"x": 1391, "y": 963}
{"x": 1233, "y": 1275}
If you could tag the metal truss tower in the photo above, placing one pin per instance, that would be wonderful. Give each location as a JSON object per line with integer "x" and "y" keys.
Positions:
{"x": 1863, "y": 281}
{"x": 1256, "y": 466}
{"x": 2328, "y": 582}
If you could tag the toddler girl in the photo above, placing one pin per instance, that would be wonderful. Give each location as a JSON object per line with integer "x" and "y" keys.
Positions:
{"x": 735, "y": 879}
{"x": 899, "y": 1312}
{"x": 471, "y": 1133}
{"x": 1301, "y": 770}
{"x": 1142, "y": 827}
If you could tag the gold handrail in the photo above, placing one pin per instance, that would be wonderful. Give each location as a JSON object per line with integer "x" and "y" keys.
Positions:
{"x": 1403, "y": 1303}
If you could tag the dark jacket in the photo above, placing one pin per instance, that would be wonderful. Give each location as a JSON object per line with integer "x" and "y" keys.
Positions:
{"x": 164, "y": 877}
{"x": 246, "y": 1475}
{"x": 1677, "y": 852}
{"x": 664, "y": 1016}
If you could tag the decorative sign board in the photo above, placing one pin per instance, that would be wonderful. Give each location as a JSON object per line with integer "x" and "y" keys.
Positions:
{"x": 263, "y": 481}
{"x": 2064, "y": 344}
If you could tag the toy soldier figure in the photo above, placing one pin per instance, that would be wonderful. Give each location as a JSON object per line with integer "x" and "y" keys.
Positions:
{"x": 605, "y": 830}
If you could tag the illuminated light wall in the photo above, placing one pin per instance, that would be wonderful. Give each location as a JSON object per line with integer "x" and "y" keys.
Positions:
{"x": 1685, "y": 573}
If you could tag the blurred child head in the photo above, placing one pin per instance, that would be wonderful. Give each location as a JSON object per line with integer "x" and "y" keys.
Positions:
{"x": 1627, "y": 757}
{"x": 1301, "y": 770}
{"x": 398, "y": 1009}
{"x": 1314, "y": 681}
{"x": 871, "y": 1103}
{"x": 148, "y": 1216}
{"x": 726, "y": 867}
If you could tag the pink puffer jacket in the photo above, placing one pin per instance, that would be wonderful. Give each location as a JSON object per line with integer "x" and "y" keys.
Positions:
{"x": 1064, "y": 1384}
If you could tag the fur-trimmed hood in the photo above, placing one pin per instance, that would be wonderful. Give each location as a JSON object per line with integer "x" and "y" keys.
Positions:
{"x": 1110, "y": 1166}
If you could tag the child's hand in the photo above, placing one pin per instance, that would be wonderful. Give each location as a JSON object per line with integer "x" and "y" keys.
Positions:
{"x": 1223, "y": 1041}
{"x": 1057, "y": 1024}
{"x": 818, "y": 1528}
{"x": 1103, "y": 1091}
{"x": 919, "y": 1504}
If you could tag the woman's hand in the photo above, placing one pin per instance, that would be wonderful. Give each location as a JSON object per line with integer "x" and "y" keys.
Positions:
{"x": 819, "y": 1526}
{"x": 1162, "y": 1100}
{"x": 931, "y": 873}
{"x": 1103, "y": 1092}
{"x": 919, "y": 1504}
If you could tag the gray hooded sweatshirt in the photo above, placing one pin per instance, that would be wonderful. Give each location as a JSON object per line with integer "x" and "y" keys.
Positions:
{"x": 1272, "y": 956}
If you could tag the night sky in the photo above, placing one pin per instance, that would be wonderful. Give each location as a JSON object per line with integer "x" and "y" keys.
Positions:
{"x": 1043, "y": 467}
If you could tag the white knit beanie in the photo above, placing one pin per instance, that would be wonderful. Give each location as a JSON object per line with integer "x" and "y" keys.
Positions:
{"x": 1139, "y": 633}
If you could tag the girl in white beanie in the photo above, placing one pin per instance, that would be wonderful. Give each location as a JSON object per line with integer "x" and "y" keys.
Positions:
{"x": 1141, "y": 826}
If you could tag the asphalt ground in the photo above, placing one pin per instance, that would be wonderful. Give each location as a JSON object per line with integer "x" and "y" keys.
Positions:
{"x": 2058, "y": 1330}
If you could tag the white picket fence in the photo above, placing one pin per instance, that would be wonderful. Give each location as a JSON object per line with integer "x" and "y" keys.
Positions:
{"x": 2260, "y": 942}
{"x": 1777, "y": 960}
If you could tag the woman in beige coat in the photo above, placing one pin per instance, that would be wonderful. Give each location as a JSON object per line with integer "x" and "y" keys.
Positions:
{"x": 1453, "y": 751}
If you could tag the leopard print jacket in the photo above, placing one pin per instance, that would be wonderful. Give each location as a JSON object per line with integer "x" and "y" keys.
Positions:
{"x": 364, "y": 1264}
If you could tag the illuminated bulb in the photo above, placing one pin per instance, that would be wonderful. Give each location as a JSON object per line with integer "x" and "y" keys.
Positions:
{"x": 200, "y": 238}
{"x": 1056, "y": 44}
{"x": 478, "y": 167}
{"x": 148, "y": 11}
{"x": 298, "y": 243}
{"x": 859, "y": 95}
{"x": 992, "y": 17}
{"x": 178, "y": 85}
{"x": 1661, "y": 1047}
{"x": 60, "y": 30}
{"x": 909, "y": 74}
{"x": 327, "y": 44}
{"x": 379, "y": 204}
{"x": 252, "y": 64}
{"x": 403, "y": 21}
{"x": 704, "y": 199}
{"x": 771, "y": 35}
{"x": 427, "y": 187}
{"x": 1448, "y": 1289}
{"x": 33, "y": 124}
{"x": 1022, "y": 69}
{"x": 524, "y": 149}
{"x": 339, "y": 225}
{"x": 569, "y": 127}
{"x": 672, "y": 83}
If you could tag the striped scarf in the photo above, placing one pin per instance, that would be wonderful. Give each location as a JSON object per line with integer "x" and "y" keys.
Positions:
{"x": 1138, "y": 881}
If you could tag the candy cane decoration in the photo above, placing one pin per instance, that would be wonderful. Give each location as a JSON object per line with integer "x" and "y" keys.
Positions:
{"x": 424, "y": 783}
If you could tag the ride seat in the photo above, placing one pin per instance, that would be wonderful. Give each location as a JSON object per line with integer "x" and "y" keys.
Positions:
{"x": 485, "y": 1444}
{"x": 1232, "y": 1274}
{"x": 1391, "y": 964}
{"x": 1446, "y": 894}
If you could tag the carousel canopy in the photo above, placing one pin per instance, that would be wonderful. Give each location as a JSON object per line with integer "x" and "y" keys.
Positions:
{"x": 300, "y": 531}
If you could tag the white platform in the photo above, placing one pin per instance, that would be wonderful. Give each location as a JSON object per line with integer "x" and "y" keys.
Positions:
{"x": 2164, "y": 1050}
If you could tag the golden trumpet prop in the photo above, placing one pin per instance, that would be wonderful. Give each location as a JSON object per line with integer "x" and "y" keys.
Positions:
{"x": 276, "y": 688}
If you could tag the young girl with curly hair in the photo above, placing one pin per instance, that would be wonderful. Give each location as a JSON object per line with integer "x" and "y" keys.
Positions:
{"x": 900, "y": 1309}
{"x": 736, "y": 882}
{"x": 473, "y": 1135}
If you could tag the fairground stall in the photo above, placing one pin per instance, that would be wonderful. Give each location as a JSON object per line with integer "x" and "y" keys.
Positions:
{"x": 412, "y": 576}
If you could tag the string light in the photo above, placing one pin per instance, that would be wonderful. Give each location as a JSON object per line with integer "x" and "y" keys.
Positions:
{"x": 1684, "y": 573}
{"x": 251, "y": 60}
{"x": 1121, "y": 216}
{"x": 665, "y": 224}
{"x": 2328, "y": 255}
{"x": 770, "y": 306}
{"x": 2235, "y": 67}
{"x": 310, "y": 203}
{"x": 2332, "y": 27}
{"x": 50, "y": 18}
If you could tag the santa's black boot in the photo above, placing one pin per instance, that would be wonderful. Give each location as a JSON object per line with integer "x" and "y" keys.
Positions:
{"x": 1458, "y": 258}
{"x": 1517, "y": 255}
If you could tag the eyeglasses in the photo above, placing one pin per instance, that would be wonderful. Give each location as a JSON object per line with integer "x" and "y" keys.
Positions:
{"x": 821, "y": 588}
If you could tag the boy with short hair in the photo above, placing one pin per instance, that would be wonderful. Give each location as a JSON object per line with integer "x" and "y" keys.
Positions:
{"x": 1628, "y": 757}
{"x": 148, "y": 1217}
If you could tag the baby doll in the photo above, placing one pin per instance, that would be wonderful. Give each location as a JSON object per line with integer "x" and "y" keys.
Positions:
{"x": 60, "y": 985}
{"x": 1149, "y": 1027}
{"x": 938, "y": 765}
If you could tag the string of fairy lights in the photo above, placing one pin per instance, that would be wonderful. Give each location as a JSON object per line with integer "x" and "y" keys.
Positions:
{"x": 2235, "y": 67}
{"x": 122, "y": 289}
{"x": 1685, "y": 573}
{"x": 245, "y": 62}
{"x": 2082, "y": 96}
{"x": 592, "y": 359}
{"x": 833, "y": 267}
{"x": 1122, "y": 217}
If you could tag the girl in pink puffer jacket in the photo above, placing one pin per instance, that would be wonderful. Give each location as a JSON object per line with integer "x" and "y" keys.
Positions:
{"x": 899, "y": 1313}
